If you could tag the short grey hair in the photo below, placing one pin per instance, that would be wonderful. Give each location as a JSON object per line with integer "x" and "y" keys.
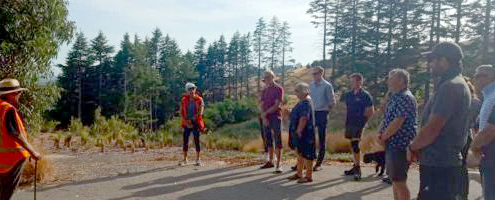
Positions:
{"x": 302, "y": 88}
{"x": 402, "y": 74}
{"x": 486, "y": 69}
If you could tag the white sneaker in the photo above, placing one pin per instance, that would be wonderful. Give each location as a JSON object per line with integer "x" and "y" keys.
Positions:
{"x": 183, "y": 163}
{"x": 198, "y": 163}
{"x": 279, "y": 170}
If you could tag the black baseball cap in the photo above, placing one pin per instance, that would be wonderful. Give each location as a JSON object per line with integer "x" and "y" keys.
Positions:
{"x": 450, "y": 50}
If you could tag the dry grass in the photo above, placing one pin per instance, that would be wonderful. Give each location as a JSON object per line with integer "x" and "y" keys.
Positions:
{"x": 336, "y": 143}
{"x": 45, "y": 168}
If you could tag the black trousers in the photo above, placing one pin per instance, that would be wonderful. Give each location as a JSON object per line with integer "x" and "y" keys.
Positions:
{"x": 321, "y": 125}
{"x": 440, "y": 183}
{"x": 10, "y": 180}
{"x": 187, "y": 133}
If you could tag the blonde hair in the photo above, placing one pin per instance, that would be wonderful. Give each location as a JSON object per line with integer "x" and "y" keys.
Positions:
{"x": 270, "y": 73}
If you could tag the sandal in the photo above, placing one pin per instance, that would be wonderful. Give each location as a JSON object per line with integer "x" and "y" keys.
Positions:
{"x": 294, "y": 177}
{"x": 305, "y": 180}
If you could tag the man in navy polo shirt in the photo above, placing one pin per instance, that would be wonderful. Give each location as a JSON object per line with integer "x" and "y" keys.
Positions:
{"x": 359, "y": 109}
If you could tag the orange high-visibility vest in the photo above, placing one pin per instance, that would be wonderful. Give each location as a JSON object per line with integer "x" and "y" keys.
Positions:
{"x": 11, "y": 152}
{"x": 198, "y": 100}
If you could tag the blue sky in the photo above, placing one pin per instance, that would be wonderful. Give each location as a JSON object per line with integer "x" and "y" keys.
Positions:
{"x": 187, "y": 20}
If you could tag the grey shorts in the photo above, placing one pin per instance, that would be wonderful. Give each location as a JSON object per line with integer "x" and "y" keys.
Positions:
{"x": 353, "y": 132}
{"x": 396, "y": 164}
{"x": 273, "y": 132}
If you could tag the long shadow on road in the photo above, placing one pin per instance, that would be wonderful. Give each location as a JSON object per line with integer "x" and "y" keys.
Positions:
{"x": 265, "y": 187}
{"x": 181, "y": 183}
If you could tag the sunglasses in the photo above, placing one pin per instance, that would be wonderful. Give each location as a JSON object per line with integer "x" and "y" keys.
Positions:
{"x": 316, "y": 73}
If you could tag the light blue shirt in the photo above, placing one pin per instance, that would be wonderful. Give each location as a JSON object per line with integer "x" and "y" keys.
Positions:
{"x": 322, "y": 95}
{"x": 487, "y": 105}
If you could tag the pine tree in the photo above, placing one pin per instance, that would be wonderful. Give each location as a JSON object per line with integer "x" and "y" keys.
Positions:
{"x": 101, "y": 53}
{"x": 259, "y": 45}
{"x": 285, "y": 45}
{"x": 72, "y": 78}
{"x": 320, "y": 11}
{"x": 273, "y": 38}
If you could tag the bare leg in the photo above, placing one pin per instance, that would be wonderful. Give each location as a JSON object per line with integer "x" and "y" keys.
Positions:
{"x": 279, "y": 155}
{"x": 401, "y": 189}
{"x": 270, "y": 151}
{"x": 300, "y": 166}
{"x": 309, "y": 168}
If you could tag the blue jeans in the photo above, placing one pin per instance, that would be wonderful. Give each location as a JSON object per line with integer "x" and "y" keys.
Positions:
{"x": 488, "y": 180}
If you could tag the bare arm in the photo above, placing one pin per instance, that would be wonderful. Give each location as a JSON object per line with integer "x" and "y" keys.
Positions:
{"x": 301, "y": 125}
{"x": 428, "y": 133}
{"x": 392, "y": 128}
{"x": 202, "y": 108}
{"x": 23, "y": 142}
{"x": 369, "y": 112}
{"x": 273, "y": 108}
{"x": 484, "y": 137}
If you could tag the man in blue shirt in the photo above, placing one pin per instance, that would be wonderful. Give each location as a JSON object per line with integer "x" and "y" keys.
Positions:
{"x": 321, "y": 92}
{"x": 359, "y": 109}
{"x": 483, "y": 145}
{"x": 398, "y": 129}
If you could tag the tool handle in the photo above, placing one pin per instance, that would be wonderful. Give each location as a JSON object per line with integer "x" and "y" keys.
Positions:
{"x": 35, "y": 177}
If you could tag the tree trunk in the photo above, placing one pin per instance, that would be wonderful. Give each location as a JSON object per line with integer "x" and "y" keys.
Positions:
{"x": 334, "y": 51}
{"x": 79, "y": 86}
{"x": 486, "y": 32}
{"x": 283, "y": 66}
{"x": 324, "y": 34}
{"x": 405, "y": 23}
{"x": 458, "y": 8}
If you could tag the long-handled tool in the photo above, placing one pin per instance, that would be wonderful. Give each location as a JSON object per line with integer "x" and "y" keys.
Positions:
{"x": 35, "y": 177}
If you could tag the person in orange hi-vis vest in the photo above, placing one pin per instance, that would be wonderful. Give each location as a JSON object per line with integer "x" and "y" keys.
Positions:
{"x": 14, "y": 147}
{"x": 192, "y": 107}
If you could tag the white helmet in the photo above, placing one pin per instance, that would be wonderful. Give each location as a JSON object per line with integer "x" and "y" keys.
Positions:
{"x": 189, "y": 86}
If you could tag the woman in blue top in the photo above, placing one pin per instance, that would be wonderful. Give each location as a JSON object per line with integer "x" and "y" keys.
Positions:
{"x": 302, "y": 132}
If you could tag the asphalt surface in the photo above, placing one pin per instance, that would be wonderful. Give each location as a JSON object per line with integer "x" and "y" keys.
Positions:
{"x": 228, "y": 182}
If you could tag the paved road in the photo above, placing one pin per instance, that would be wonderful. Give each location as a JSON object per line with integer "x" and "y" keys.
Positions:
{"x": 228, "y": 182}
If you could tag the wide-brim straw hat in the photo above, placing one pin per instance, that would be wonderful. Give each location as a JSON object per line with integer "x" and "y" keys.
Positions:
{"x": 10, "y": 85}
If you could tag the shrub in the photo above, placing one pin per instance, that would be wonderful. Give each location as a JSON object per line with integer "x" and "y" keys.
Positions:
{"x": 49, "y": 126}
{"x": 230, "y": 111}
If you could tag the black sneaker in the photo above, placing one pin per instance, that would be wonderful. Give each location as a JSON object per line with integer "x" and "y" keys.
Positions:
{"x": 267, "y": 165}
{"x": 357, "y": 174}
{"x": 294, "y": 168}
{"x": 352, "y": 171}
{"x": 387, "y": 180}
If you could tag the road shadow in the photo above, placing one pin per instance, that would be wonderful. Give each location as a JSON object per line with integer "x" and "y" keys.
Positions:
{"x": 357, "y": 195}
{"x": 171, "y": 184}
{"x": 135, "y": 174}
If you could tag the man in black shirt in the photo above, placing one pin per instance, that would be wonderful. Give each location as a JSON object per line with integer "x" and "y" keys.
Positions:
{"x": 359, "y": 109}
